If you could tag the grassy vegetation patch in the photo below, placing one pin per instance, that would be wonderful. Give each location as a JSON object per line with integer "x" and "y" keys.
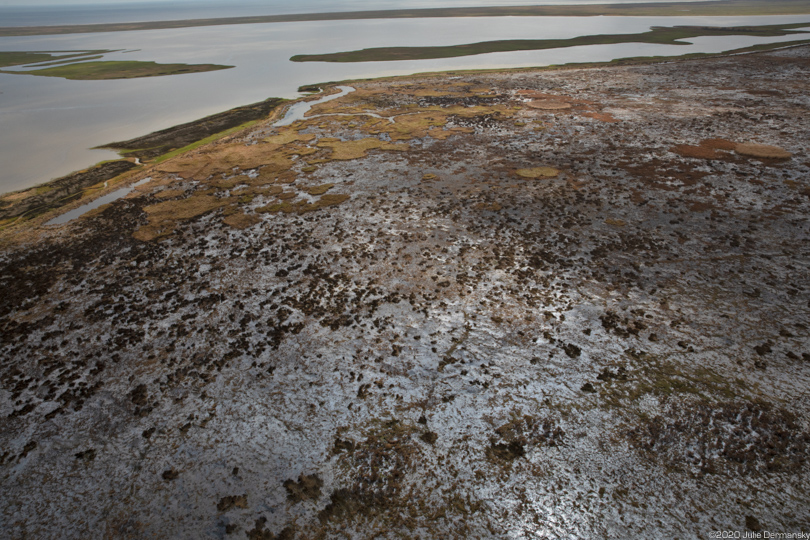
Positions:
{"x": 240, "y": 220}
{"x": 165, "y": 216}
{"x": 718, "y": 144}
{"x": 225, "y": 158}
{"x": 615, "y": 222}
{"x": 345, "y": 150}
{"x": 71, "y": 61}
{"x": 538, "y": 172}
{"x": 663, "y": 378}
{"x": 169, "y": 193}
{"x": 320, "y": 190}
{"x": 287, "y": 136}
{"x": 548, "y": 105}
{"x": 128, "y": 69}
{"x": 183, "y": 209}
{"x": 764, "y": 151}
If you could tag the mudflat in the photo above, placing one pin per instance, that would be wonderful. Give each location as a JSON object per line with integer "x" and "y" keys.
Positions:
{"x": 480, "y": 305}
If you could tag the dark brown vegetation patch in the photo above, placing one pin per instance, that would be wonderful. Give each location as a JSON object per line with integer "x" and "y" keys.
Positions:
{"x": 307, "y": 487}
{"x": 379, "y": 467}
{"x": 232, "y": 501}
{"x": 700, "y": 152}
{"x": 731, "y": 436}
{"x": 512, "y": 439}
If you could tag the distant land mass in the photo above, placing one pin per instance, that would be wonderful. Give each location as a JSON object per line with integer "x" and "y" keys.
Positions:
{"x": 708, "y": 8}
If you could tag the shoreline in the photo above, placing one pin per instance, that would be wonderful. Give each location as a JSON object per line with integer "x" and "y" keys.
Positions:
{"x": 14, "y": 210}
{"x": 707, "y": 8}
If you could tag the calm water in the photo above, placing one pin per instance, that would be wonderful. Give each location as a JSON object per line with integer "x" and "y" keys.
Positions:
{"x": 50, "y": 124}
{"x": 167, "y": 11}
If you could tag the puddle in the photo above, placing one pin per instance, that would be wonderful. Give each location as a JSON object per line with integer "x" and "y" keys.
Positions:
{"x": 297, "y": 111}
{"x": 108, "y": 198}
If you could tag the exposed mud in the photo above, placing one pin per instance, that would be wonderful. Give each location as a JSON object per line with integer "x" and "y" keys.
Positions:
{"x": 482, "y": 319}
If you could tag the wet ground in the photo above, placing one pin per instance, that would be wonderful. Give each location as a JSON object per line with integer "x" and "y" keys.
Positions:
{"x": 566, "y": 304}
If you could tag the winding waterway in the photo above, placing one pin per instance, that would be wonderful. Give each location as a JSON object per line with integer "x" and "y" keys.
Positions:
{"x": 50, "y": 124}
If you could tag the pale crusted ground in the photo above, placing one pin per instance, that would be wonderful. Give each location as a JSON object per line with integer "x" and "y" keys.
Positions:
{"x": 536, "y": 304}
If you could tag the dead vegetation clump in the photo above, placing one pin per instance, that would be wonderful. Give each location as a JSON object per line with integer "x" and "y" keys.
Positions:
{"x": 669, "y": 175}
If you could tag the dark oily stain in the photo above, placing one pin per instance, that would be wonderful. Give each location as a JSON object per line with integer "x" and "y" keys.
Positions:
{"x": 753, "y": 524}
{"x": 588, "y": 388}
{"x": 86, "y": 455}
{"x": 139, "y": 396}
{"x": 28, "y": 448}
{"x": 572, "y": 350}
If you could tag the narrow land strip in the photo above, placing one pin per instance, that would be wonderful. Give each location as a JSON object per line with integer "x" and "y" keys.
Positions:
{"x": 711, "y": 8}
{"x": 111, "y": 69}
{"x": 658, "y": 35}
